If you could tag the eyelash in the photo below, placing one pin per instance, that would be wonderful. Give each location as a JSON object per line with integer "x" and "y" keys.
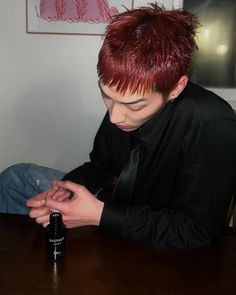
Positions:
{"x": 135, "y": 110}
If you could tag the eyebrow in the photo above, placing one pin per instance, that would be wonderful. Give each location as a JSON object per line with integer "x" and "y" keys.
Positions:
{"x": 130, "y": 102}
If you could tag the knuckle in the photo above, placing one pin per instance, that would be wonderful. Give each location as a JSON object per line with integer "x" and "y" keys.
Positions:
{"x": 81, "y": 188}
{"x": 32, "y": 213}
{"x": 37, "y": 220}
{"x": 67, "y": 182}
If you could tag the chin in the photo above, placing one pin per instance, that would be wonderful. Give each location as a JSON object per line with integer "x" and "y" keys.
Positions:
{"x": 130, "y": 129}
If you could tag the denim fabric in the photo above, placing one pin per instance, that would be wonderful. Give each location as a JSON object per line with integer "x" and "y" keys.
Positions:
{"x": 22, "y": 181}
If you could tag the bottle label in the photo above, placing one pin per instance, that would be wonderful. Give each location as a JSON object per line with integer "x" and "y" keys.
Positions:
{"x": 57, "y": 240}
{"x": 55, "y": 247}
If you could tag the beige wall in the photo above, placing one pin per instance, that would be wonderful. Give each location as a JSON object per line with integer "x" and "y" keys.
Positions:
{"x": 50, "y": 103}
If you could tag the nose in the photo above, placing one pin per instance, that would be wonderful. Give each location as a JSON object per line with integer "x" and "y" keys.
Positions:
{"x": 116, "y": 113}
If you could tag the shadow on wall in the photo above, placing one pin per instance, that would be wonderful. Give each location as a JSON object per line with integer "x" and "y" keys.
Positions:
{"x": 57, "y": 128}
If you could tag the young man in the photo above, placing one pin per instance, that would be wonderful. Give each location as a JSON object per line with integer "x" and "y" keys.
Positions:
{"x": 163, "y": 164}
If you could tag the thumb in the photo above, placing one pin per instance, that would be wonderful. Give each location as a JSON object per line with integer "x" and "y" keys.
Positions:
{"x": 56, "y": 205}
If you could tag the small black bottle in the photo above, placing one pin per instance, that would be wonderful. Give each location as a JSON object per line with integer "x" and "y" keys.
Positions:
{"x": 55, "y": 236}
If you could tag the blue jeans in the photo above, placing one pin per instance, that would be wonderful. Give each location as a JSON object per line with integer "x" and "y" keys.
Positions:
{"x": 22, "y": 181}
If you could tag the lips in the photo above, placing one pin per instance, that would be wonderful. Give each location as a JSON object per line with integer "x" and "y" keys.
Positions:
{"x": 122, "y": 126}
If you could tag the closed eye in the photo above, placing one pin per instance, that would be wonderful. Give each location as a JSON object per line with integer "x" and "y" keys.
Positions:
{"x": 136, "y": 106}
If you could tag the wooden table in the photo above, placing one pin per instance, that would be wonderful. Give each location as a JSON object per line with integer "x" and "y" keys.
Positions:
{"x": 102, "y": 263}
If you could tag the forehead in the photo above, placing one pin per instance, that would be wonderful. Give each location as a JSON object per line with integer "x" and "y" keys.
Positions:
{"x": 127, "y": 97}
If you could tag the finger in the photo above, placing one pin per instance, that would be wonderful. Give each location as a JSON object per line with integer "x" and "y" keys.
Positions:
{"x": 56, "y": 205}
{"x": 50, "y": 193}
{"x": 60, "y": 194}
{"x": 45, "y": 224}
{"x": 70, "y": 186}
{"x": 36, "y": 201}
{"x": 43, "y": 219}
{"x": 67, "y": 195}
{"x": 55, "y": 185}
{"x": 37, "y": 212}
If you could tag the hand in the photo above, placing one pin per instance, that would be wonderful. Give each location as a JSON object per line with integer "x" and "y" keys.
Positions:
{"x": 82, "y": 209}
{"x": 39, "y": 210}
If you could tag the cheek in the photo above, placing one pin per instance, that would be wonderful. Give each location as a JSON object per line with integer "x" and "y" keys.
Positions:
{"x": 152, "y": 109}
{"x": 136, "y": 118}
{"x": 145, "y": 114}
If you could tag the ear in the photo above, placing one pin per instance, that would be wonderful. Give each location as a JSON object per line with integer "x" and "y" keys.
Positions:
{"x": 179, "y": 87}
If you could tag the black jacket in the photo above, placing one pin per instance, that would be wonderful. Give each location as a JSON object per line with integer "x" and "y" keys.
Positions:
{"x": 186, "y": 176}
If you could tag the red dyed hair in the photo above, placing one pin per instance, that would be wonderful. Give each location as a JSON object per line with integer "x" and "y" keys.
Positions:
{"x": 147, "y": 49}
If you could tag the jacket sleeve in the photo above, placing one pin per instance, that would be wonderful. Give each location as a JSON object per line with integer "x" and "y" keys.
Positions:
{"x": 204, "y": 185}
{"x": 97, "y": 172}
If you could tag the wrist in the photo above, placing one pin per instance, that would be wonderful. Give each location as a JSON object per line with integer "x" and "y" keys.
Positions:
{"x": 98, "y": 212}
